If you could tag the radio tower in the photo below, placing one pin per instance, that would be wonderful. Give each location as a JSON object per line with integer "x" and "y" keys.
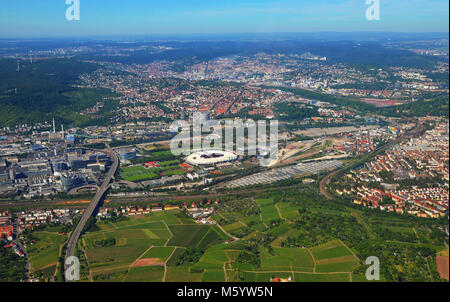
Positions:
{"x": 54, "y": 130}
{"x": 18, "y": 64}
{"x": 31, "y": 56}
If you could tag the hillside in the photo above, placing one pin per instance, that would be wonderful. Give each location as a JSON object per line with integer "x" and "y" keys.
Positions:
{"x": 43, "y": 90}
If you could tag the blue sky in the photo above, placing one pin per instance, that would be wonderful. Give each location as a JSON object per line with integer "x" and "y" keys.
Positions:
{"x": 45, "y": 18}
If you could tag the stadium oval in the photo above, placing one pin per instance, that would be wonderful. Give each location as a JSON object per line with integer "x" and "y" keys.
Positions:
{"x": 211, "y": 157}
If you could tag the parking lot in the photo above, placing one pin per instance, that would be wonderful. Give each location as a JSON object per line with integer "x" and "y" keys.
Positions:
{"x": 275, "y": 175}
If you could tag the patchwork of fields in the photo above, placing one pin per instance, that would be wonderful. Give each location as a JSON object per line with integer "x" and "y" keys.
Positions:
{"x": 148, "y": 248}
{"x": 288, "y": 235}
{"x": 145, "y": 248}
{"x": 332, "y": 261}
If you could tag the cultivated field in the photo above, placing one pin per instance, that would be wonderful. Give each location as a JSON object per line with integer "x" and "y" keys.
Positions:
{"x": 143, "y": 248}
{"x": 44, "y": 253}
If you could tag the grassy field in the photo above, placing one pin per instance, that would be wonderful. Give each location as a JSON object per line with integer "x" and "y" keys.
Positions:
{"x": 160, "y": 252}
{"x": 288, "y": 211}
{"x": 287, "y": 259}
{"x": 114, "y": 252}
{"x": 139, "y": 173}
{"x": 44, "y": 253}
{"x": 145, "y": 274}
{"x": 334, "y": 257}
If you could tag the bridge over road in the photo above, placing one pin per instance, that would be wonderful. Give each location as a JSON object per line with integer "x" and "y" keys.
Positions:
{"x": 71, "y": 245}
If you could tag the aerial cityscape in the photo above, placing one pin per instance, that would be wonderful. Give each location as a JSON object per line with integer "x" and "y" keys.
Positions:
{"x": 249, "y": 151}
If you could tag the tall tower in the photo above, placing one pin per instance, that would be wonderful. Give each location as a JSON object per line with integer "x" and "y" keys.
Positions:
{"x": 18, "y": 65}
{"x": 54, "y": 129}
{"x": 31, "y": 57}
{"x": 62, "y": 131}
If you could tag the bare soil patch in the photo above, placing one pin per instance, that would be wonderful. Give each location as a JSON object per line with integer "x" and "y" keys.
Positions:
{"x": 148, "y": 262}
{"x": 442, "y": 266}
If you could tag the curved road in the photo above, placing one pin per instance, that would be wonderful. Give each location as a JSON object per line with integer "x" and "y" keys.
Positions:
{"x": 93, "y": 205}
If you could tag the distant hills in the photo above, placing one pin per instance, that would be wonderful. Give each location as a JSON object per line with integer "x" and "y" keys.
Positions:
{"x": 43, "y": 90}
{"x": 351, "y": 52}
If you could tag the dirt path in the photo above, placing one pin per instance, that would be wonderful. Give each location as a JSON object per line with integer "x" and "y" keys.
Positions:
{"x": 134, "y": 262}
{"x": 225, "y": 271}
{"x": 220, "y": 214}
{"x": 226, "y": 233}
{"x": 279, "y": 212}
{"x": 324, "y": 182}
{"x": 262, "y": 221}
{"x": 165, "y": 265}
{"x": 314, "y": 260}
{"x": 362, "y": 222}
{"x": 112, "y": 268}
{"x": 142, "y": 255}
{"x": 49, "y": 265}
{"x": 171, "y": 234}
{"x": 298, "y": 272}
{"x": 57, "y": 263}
{"x": 87, "y": 261}
{"x": 349, "y": 249}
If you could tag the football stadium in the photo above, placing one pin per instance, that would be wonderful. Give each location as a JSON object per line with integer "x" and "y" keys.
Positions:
{"x": 211, "y": 157}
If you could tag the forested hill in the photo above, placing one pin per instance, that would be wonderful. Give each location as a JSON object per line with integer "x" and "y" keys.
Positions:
{"x": 42, "y": 90}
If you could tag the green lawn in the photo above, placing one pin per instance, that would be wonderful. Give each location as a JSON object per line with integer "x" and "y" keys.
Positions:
{"x": 45, "y": 252}
{"x": 139, "y": 173}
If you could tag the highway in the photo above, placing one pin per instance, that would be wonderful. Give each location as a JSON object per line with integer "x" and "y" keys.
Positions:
{"x": 71, "y": 245}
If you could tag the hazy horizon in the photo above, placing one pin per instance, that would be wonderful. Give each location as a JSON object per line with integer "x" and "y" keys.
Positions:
{"x": 245, "y": 36}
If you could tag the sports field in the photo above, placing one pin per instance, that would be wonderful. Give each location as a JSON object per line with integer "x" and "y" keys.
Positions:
{"x": 141, "y": 173}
